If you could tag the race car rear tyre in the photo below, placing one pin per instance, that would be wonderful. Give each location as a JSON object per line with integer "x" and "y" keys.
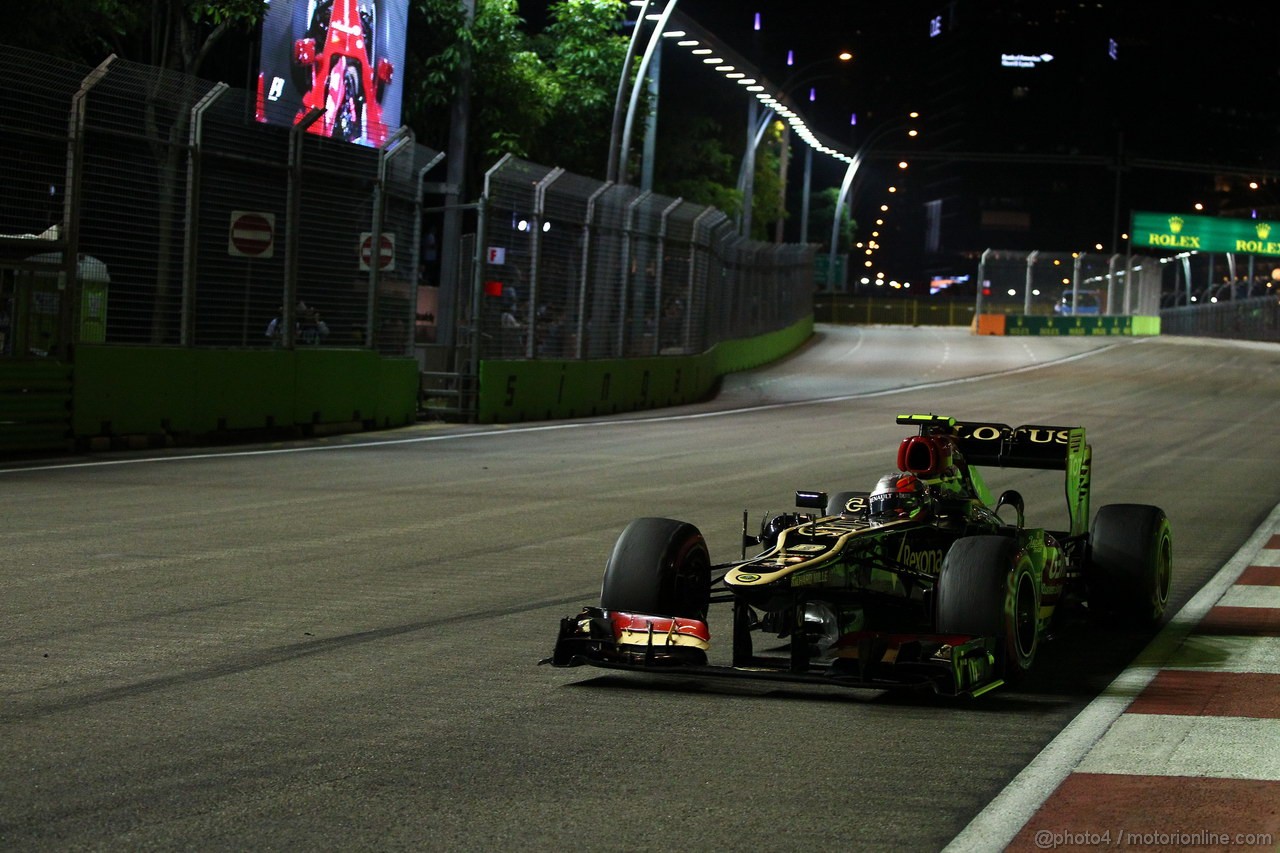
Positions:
{"x": 987, "y": 588}
{"x": 1130, "y": 563}
{"x": 661, "y": 567}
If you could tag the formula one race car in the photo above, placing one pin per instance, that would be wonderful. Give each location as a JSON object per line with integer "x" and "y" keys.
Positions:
{"x": 345, "y": 74}
{"x": 919, "y": 583}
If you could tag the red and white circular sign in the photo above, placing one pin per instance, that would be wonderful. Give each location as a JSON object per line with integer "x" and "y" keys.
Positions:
{"x": 386, "y": 251}
{"x": 252, "y": 234}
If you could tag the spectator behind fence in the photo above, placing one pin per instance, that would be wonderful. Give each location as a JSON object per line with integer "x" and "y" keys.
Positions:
{"x": 310, "y": 329}
{"x": 513, "y": 331}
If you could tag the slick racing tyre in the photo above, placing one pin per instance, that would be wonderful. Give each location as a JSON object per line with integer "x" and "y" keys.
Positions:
{"x": 660, "y": 567}
{"x": 987, "y": 588}
{"x": 1130, "y": 563}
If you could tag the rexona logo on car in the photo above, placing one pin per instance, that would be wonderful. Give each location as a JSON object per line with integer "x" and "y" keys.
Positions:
{"x": 924, "y": 561}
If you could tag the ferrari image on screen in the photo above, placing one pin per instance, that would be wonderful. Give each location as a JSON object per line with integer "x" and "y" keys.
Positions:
{"x": 341, "y": 57}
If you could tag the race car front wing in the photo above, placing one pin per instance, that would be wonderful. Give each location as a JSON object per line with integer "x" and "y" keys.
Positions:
{"x": 947, "y": 665}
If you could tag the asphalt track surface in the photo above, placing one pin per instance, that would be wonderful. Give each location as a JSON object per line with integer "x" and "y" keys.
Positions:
{"x": 333, "y": 644}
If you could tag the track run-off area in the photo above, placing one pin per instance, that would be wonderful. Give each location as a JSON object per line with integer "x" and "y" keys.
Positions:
{"x": 333, "y": 644}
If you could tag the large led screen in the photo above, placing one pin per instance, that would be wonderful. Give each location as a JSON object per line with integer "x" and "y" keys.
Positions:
{"x": 342, "y": 57}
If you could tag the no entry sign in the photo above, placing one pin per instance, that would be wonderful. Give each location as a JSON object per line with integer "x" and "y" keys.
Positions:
{"x": 386, "y": 251}
{"x": 252, "y": 234}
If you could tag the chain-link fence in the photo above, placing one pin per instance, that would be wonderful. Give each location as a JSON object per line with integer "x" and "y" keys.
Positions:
{"x": 1255, "y": 319}
{"x": 576, "y": 268}
{"x": 202, "y": 226}
{"x": 1067, "y": 283}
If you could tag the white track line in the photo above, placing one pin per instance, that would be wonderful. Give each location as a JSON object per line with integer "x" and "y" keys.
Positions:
{"x": 583, "y": 424}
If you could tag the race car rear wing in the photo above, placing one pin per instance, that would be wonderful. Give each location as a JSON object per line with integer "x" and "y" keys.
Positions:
{"x": 1060, "y": 448}
{"x": 1028, "y": 446}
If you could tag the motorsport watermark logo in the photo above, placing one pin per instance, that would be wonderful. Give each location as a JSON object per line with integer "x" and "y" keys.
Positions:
{"x": 1047, "y": 839}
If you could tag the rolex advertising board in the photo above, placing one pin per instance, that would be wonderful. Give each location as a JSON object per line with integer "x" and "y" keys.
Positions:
{"x": 1180, "y": 232}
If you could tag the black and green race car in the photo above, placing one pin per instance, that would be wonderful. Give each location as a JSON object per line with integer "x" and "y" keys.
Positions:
{"x": 922, "y": 582}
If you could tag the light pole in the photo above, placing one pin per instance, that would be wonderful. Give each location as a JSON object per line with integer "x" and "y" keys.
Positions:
{"x": 615, "y": 133}
{"x": 847, "y": 184}
{"x": 757, "y": 123}
{"x": 624, "y": 147}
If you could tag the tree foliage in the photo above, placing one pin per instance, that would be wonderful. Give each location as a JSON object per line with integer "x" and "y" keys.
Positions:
{"x": 542, "y": 96}
{"x": 180, "y": 35}
{"x": 824, "y": 204}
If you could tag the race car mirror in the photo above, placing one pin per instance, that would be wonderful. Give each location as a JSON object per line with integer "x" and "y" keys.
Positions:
{"x": 811, "y": 500}
{"x": 1013, "y": 498}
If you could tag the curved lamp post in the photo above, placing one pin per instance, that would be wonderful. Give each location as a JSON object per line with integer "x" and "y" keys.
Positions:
{"x": 847, "y": 183}
{"x": 624, "y": 146}
{"x": 756, "y": 126}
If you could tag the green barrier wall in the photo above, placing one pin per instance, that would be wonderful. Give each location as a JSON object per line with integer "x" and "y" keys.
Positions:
{"x": 1106, "y": 324}
{"x": 513, "y": 391}
{"x": 35, "y": 406}
{"x": 184, "y": 392}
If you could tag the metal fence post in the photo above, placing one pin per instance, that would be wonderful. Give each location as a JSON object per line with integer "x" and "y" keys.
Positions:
{"x": 416, "y": 253}
{"x": 190, "y": 241}
{"x": 1026, "y": 295}
{"x": 71, "y": 206}
{"x": 628, "y": 229}
{"x": 1111, "y": 283}
{"x": 288, "y": 316}
{"x": 658, "y": 277}
{"x": 1075, "y": 283}
{"x": 401, "y": 140}
{"x": 477, "y": 279}
{"x": 982, "y": 282}
{"x": 698, "y": 226}
{"x": 535, "y": 254}
{"x": 584, "y": 271}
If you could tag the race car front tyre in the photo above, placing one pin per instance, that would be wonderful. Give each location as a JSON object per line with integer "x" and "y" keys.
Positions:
{"x": 987, "y": 588}
{"x": 660, "y": 567}
{"x": 1131, "y": 563}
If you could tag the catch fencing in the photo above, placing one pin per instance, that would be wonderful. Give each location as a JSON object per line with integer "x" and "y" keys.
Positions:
{"x": 1252, "y": 319}
{"x": 194, "y": 224}
{"x": 575, "y": 268}
{"x": 1043, "y": 282}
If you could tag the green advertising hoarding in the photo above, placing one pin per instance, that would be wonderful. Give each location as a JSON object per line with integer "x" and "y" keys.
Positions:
{"x": 1180, "y": 232}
